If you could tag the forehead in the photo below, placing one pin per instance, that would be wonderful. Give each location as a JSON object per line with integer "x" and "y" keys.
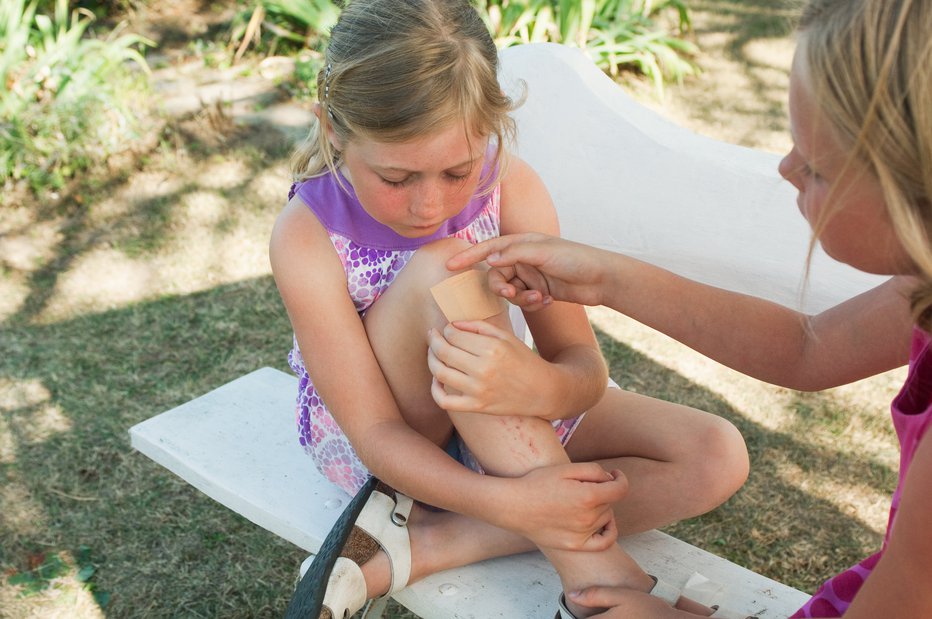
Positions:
{"x": 449, "y": 146}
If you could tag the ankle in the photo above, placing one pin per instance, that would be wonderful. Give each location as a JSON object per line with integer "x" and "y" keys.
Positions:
{"x": 377, "y": 572}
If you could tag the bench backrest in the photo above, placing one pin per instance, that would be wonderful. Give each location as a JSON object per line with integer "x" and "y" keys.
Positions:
{"x": 624, "y": 178}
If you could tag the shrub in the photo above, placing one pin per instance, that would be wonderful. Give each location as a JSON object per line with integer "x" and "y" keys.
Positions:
{"x": 617, "y": 34}
{"x": 68, "y": 99}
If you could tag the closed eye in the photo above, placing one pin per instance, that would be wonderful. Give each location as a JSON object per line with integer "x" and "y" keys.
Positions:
{"x": 807, "y": 170}
{"x": 396, "y": 184}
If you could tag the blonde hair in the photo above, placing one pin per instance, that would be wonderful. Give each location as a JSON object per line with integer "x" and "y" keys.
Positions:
{"x": 870, "y": 66}
{"x": 399, "y": 69}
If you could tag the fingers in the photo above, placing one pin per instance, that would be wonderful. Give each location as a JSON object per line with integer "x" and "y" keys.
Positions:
{"x": 500, "y": 283}
{"x": 602, "y": 539}
{"x": 478, "y": 253}
{"x": 588, "y": 471}
{"x": 602, "y": 597}
{"x": 614, "y": 490}
{"x": 606, "y": 486}
{"x": 449, "y": 366}
{"x": 531, "y": 300}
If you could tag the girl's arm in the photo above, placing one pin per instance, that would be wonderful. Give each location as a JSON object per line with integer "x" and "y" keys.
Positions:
{"x": 504, "y": 377}
{"x": 857, "y": 338}
{"x": 343, "y": 366}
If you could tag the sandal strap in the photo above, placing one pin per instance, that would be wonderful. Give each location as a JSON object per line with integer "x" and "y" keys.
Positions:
{"x": 562, "y": 611}
{"x": 346, "y": 589}
{"x": 390, "y": 532}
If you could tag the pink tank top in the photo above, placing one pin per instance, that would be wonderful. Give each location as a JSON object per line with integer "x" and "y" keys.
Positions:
{"x": 912, "y": 412}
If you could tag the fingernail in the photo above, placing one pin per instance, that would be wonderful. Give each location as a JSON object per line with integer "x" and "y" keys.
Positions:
{"x": 574, "y": 594}
{"x": 548, "y": 300}
{"x": 494, "y": 256}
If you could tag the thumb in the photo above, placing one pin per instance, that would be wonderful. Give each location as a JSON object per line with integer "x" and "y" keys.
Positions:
{"x": 600, "y": 596}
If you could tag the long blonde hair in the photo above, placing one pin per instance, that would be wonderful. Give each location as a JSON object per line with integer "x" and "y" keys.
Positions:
{"x": 399, "y": 69}
{"x": 870, "y": 63}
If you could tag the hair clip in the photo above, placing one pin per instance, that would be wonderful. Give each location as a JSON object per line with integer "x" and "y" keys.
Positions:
{"x": 326, "y": 98}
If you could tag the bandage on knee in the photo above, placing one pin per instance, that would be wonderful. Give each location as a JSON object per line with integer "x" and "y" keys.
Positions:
{"x": 466, "y": 296}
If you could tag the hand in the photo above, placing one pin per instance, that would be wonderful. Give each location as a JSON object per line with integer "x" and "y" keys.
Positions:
{"x": 532, "y": 270}
{"x": 622, "y": 603}
{"x": 481, "y": 368}
{"x": 566, "y": 506}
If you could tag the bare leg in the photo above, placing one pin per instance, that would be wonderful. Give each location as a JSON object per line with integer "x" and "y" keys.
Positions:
{"x": 505, "y": 446}
{"x": 513, "y": 446}
{"x": 397, "y": 325}
{"x": 680, "y": 462}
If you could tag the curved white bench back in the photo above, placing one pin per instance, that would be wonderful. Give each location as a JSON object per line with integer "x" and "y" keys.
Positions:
{"x": 626, "y": 179}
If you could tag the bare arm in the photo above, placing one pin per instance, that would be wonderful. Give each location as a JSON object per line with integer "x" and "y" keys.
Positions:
{"x": 859, "y": 337}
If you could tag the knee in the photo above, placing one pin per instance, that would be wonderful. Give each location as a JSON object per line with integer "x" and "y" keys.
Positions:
{"x": 429, "y": 261}
{"x": 724, "y": 460}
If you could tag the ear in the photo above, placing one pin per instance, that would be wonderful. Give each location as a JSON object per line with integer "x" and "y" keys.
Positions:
{"x": 331, "y": 134}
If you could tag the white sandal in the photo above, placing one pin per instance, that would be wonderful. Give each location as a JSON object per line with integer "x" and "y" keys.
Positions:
{"x": 381, "y": 525}
{"x": 669, "y": 594}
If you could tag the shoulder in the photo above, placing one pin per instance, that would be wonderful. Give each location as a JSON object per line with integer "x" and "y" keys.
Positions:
{"x": 296, "y": 224}
{"x": 526, "y": 204}
{"x": 298, "y": 240}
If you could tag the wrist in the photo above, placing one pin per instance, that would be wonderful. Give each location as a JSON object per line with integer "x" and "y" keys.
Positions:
{"x": 612, "y": 281}
{"x": 575, "y": 384}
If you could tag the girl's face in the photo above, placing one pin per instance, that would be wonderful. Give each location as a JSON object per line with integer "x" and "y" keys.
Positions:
{"x": 413, "y": 187}
{"x": 858, "y": 231}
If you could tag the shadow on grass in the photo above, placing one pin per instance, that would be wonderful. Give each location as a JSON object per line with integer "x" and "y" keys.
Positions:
{"x": 162, "y": 549}
{"x": 771, "y": 525}
{"x": 146, "y": 224}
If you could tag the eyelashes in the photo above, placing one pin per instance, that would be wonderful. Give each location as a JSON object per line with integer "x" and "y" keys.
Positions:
{"x": 452, "y": 178}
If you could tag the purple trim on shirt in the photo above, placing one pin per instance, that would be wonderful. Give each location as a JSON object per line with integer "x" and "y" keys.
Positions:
{"x": 338, "y": 210}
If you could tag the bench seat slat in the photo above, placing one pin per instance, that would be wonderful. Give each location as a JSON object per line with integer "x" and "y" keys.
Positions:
{"x": 238, "y": 445}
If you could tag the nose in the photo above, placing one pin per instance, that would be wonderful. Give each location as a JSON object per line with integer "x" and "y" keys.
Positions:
{"x": 428, "y": 201}
{"x": 789, "y": 168}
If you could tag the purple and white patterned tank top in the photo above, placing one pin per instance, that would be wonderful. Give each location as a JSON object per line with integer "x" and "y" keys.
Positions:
{"x": 372, "y": 255}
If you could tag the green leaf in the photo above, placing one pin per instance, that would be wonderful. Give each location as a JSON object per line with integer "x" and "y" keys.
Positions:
{"x": 102, "y": 598}
{"x": 22, "y": 578}
{"x": 86, "y": 572}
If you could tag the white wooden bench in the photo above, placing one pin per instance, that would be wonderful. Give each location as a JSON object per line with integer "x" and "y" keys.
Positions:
{"x": 623, "y": 178}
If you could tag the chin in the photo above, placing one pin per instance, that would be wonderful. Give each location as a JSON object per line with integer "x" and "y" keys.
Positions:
{"x": 417, "y": 233}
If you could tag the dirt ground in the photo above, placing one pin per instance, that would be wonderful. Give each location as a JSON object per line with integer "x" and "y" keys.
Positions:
{"x": 740, "y": 96}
